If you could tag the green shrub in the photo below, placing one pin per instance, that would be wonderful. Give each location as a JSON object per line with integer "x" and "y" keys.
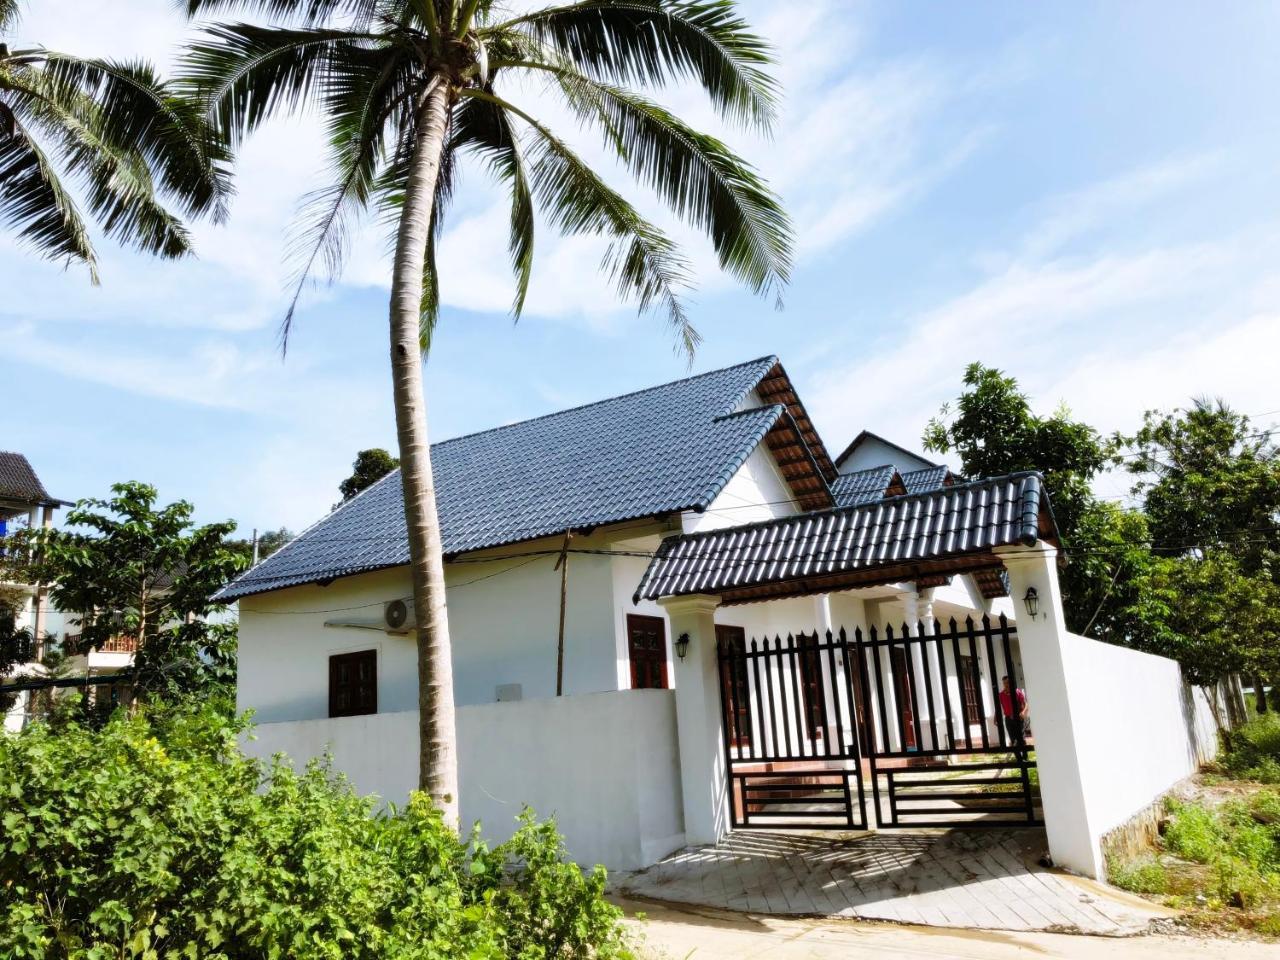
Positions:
{"x": 1193, "y": 832}
{"x": 153, "y": 837}
{"x": 1145, "y": 876}
{"x": 1254, "y": 752}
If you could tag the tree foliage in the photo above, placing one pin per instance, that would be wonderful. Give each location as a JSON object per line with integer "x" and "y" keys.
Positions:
{"x": 369, "y": 65}
{"x": 155, "y": 837}
{"x": 369, "y": 467}
{"x": 116, "y": 132}
{"x": 124, "y": 565}
{"x": 994, "y": 431}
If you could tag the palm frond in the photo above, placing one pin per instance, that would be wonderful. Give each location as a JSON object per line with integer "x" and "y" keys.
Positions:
{"x": 484, "y": 127}
{"x": 651, "y": 42}
{"x": 363, "y": 91}
{"x": 136, "y": 112}
{"x": 116, "y": 180}
{"x": 9, "y": 13}
{"x": 641, "y": 260}
{"x": 700, "y": 178}
{"x": 245, "y": 74}
{"x": 33, "y": 200}
{"x": 304, "y": 12}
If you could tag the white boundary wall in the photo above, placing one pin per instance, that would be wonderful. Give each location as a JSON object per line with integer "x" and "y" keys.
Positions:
{"x": 1139, "y": 728}
{"x": 605, "y": 765}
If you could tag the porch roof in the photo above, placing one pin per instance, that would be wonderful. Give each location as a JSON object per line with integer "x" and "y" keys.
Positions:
{"x": 951, "y": 530}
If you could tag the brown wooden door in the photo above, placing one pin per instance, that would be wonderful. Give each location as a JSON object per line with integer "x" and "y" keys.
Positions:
{"x": 734, "y": 686}
{"x": 353, "y": 684}
{"x": 969, "y": 690}
{"x": 812, "y": 691}
{"x": 902, "y": 691}
{"x": 647, "y": 648}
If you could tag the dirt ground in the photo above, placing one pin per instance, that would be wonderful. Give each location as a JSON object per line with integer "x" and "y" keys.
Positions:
{"x": 670, "y": 932}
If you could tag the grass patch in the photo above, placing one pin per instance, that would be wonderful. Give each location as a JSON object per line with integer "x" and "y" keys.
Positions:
{"x": 1219, "y": 862}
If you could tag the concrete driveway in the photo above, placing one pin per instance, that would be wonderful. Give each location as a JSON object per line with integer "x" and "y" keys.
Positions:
{"x": 697, "y": 933}
{"x": 978, "y": 880}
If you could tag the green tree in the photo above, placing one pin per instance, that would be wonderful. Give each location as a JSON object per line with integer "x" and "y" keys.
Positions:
{"x": 411, "y": 88}
{"x": 268, "y": 543}
{"x": 116, "y": 132}
{"x": 369, "y": 467}
{"x": 126, "y": 566}
{"x": 994, "y": 431}
{"x": 1210, "y": 486}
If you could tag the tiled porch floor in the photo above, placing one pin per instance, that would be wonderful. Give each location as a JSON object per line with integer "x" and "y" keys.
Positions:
{"x": 977, "y": 879}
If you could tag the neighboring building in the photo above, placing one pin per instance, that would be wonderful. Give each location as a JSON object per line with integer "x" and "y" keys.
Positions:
{"x": 715, "y": 548}
{"x": 25, "y": 503}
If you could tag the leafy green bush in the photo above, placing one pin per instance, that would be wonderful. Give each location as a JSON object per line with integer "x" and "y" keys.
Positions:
{"x": 1145, "y": 876}
{"x": 1254, "y": 752}
{"x": 153, "y": 837}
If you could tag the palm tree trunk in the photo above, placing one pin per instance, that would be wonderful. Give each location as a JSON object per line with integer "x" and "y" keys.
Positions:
{"x": 437, "y": 756}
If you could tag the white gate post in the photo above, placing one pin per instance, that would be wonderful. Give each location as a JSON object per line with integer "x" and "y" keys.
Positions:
{"x": 1073, "y": 843}
{"x": 699, "y": 720}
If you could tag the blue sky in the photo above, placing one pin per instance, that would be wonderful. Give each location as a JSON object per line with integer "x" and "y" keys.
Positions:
{"x": 1084, "y": 194}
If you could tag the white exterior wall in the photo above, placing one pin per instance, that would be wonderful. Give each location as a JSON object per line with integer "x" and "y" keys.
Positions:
{"x": 1138, "y": 728}
{"x": 874, "y": 453}
{"x": 503, "y": 620}
{"x": 605, "y": 765}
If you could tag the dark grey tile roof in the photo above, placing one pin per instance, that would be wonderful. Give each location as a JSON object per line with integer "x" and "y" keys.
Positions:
{"x": 926, "y": 480}
{"x": 660, "y": 450}
{"x": 862, "y": 486}
{"x": 18, "y": 481}
{"x": 960, "y": 520}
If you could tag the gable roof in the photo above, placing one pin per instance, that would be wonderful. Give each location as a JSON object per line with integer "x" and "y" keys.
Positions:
{"x": 19, "y": 483}
{"x": 657, "y": 451}
{"x": 953, "y": 529}
{"x": 864, "y": 486}
{"x": 866, "y": 435}
{"x": 926, "y": 480}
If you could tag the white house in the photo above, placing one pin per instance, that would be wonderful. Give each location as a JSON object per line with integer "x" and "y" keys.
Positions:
{"x": 753, "y": 635}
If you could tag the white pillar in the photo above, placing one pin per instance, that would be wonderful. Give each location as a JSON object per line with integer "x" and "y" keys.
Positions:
{"x": 699, "y": 720}
{"x": 1073, "y": 843}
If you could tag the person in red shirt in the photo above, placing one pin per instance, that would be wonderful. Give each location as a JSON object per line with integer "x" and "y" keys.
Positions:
{"x": 1015, "y": 718}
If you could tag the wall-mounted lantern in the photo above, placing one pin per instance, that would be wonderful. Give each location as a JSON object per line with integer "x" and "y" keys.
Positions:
{"x": 1032, "y": 601}
{"x": 682, "y": 645}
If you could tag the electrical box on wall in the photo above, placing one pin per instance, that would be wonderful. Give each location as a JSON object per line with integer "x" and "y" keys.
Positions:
{"x": 509, "y": 691}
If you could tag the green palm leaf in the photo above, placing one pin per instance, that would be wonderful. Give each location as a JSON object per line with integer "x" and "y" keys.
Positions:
{"x": 648, "y": 42}
{"x": 33, "y": 200}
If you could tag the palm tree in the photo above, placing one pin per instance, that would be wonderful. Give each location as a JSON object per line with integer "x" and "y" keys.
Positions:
{"x": 123, "y": 138}
{"x": 410, "y": 88}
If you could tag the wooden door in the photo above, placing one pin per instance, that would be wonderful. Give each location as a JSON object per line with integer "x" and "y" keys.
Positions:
{"x": 902, "y": 691}
{"x": 969, "y": 690}
{"x": 647, "y": 648}
{"x": 734, "y": 686}
{"x": 812, "y": 689}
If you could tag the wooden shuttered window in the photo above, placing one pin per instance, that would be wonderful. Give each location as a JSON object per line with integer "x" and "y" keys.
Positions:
{"x": 353, "y": 684}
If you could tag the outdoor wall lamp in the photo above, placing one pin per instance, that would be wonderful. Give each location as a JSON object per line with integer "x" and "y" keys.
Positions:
{"x": 682, "y": 645}
{"x": 1032, "y": 600}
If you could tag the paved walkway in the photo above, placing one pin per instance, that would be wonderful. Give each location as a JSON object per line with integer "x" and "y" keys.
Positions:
{"x": 671, "y": 932}
{"x": 985, "y": 879}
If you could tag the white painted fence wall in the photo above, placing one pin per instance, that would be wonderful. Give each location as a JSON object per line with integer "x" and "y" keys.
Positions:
{"x": 1139, "y": 728}
{"x": 605, "y": 765}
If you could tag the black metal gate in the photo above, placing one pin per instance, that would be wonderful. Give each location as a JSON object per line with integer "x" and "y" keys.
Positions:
{"x": 920, "y": 714}
{"x": 790, "y": 733}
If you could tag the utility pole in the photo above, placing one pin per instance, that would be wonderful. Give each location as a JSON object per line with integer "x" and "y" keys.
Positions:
{"x": 255, "y": 546}
{"x": 563, "y": 565}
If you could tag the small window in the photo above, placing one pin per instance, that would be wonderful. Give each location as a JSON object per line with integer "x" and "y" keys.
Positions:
{"x": 353, "y": 684}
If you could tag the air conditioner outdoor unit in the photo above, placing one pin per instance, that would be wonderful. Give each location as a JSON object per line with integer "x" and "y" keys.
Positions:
{"x": 397, "y": 616}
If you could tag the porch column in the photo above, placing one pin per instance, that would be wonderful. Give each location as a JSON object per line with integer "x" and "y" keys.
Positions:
{"x": 1073, "y": 843}
{"x": 37, "y": 623}
{"x": 699, "y": 720}
{"x": 921, "y": 612}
